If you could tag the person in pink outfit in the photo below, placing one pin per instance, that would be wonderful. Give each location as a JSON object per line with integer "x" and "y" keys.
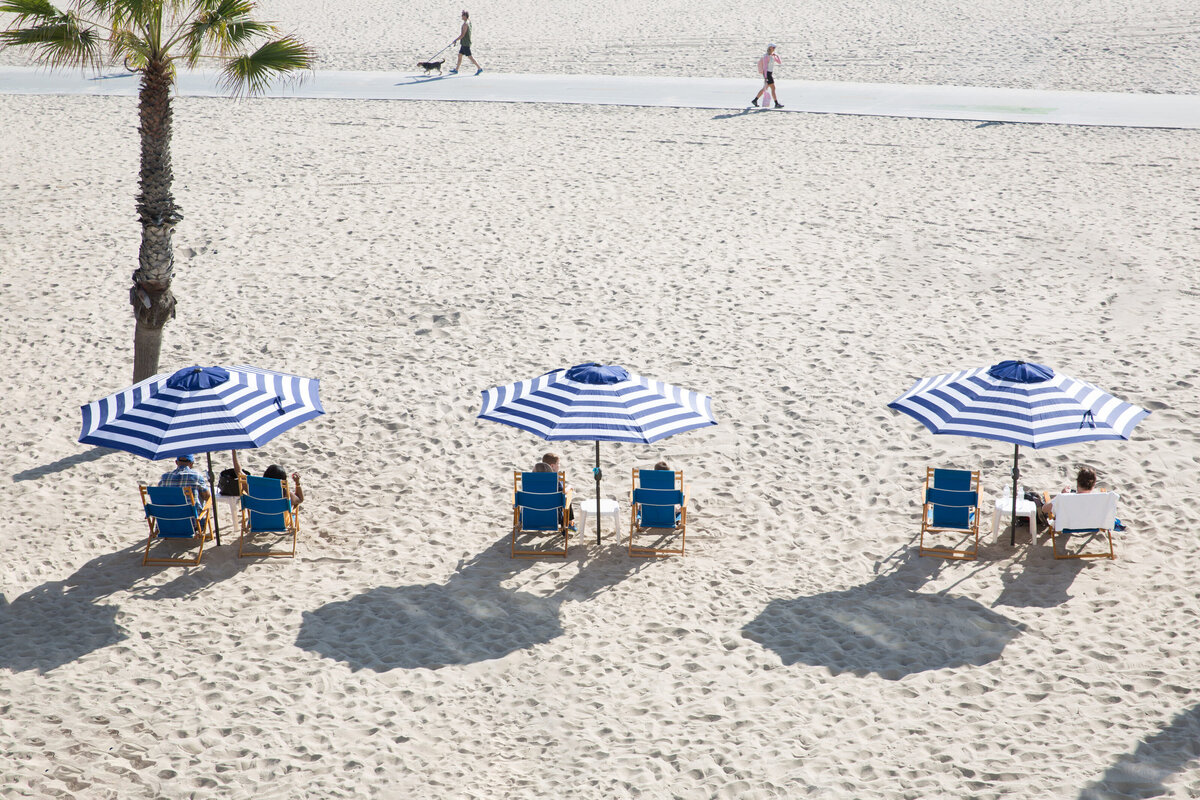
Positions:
{"x": 766, "y": 68}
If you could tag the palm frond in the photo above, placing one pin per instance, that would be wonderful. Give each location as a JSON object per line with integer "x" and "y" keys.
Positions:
{"x": 252, "y": 73}
{"x": 58, "y": 42}
{"x": 225, "y": 27}
{"x": 128, "y": 46}
{"x": 40, "y": 11}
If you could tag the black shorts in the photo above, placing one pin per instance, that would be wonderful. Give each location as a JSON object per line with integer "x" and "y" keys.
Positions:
{"x": 465, "y": 50}
{"x": 769, "y": 78}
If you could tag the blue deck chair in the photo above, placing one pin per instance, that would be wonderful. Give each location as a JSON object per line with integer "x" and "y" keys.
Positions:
{"x": 172, "y": 513}
{"x": 267, "y": 508}
{"x": 540, "y": 507}
{"x": 658, "y": 507}
{"x": 951, "y": 506}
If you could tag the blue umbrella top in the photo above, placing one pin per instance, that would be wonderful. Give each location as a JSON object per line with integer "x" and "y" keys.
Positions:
{"x": 1020, "y": 372}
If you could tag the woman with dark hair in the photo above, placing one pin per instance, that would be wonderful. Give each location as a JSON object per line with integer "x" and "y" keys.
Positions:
{"x": 1085, "y": 482}
{"x": 280, "y": 474}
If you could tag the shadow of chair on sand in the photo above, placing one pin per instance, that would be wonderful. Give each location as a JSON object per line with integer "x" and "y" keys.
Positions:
{"x": 1143, "y": 772}
{"x": 1031, "y": 576}
{"x": 885, "y": 627}
{"x": 61, "y": 621}
{"x": 468, "y": 619}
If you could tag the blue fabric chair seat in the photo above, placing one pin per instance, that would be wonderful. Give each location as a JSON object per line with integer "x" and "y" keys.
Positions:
{"x": 950, "y": 505}
{"x": 540, "y": 506}
{"x": 171, "y": 513}
{"x": 659, "y": 503}
{"x": 267, "y": 509}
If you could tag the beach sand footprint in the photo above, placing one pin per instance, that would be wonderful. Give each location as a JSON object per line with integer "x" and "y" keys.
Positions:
{"x": 470, "y": 618}
{"x": 882, "y": 627}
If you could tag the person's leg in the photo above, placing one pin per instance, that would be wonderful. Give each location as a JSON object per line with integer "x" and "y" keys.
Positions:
{"x": 459, "y": 64}
{"x": 476, "y": 63}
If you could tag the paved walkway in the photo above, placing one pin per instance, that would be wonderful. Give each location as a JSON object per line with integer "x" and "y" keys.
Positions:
{"x": 872, "y": 99}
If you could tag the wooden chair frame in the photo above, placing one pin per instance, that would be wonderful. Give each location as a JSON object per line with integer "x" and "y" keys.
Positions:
{"x": 202, "y": 525}
{"x": 291, "y": 524}
{"x": 927, "y": 522}
{"x": 563, "y": 522}
{"x": 643, "y": 551}
{"x": 1054, "y": 534}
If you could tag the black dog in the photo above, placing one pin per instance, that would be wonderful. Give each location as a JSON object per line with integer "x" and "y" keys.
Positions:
{"x": 430, "y": 66}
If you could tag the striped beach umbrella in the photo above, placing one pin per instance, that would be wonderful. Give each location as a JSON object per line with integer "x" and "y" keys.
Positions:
{"x": 1020, "y": 402}
{"x": 593, "y": 402}
{"x": 199, "y": 410}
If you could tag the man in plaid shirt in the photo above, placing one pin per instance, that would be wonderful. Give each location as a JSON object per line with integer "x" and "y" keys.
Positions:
{"x": 185, "y": 474}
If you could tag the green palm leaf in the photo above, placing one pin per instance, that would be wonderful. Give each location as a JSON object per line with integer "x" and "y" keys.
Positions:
{"x": 223, "y": 26}
{"x": 58, "y": 41}
{"x": 252, "y": 73}
{"x": 42, "y": 11}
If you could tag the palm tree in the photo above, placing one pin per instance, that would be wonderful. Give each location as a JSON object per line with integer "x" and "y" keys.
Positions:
{"x": 151, "y": 37}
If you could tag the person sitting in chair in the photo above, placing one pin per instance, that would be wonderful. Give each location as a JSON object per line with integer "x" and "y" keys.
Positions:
{"x": 186, "y": 475}
{"x": 278, "y": 473}
{"x": 1085, "y": 482}
{"x": 550, "y": 463}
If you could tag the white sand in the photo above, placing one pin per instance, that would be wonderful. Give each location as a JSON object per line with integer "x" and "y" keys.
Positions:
{"x": 803, "y": 270}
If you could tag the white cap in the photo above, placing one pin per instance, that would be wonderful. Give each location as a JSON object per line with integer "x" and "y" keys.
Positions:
{"x": 770, "y": 46}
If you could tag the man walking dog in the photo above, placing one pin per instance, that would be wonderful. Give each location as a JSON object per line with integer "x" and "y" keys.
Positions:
{"x": 766, "y": 68}
{"x": 464, "y": 45}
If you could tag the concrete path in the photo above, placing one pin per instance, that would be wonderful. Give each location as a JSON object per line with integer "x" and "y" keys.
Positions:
{"x": 889, "y": 100}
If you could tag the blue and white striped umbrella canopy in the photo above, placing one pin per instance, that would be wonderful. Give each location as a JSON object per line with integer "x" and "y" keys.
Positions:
{"x": 1020, "y": 402}
{"x": 201, "y": 409}
{"x": 590, "y": 402}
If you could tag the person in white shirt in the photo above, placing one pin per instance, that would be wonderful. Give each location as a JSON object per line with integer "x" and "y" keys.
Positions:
{"x": 766, "y": 68}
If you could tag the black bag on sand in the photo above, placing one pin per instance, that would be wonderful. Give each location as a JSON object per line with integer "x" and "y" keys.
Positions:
{"x": 228, "y": 483}
{"x": 1036, "y": 499}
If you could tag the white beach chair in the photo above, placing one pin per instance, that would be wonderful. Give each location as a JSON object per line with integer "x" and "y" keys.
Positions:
{"x": 1092, "y": 513}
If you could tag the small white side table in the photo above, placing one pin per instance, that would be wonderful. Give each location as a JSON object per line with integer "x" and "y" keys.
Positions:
{"x": 1025, "y": 508}
{"x": 234, "y": 502}
{"x": 608, "y": 508}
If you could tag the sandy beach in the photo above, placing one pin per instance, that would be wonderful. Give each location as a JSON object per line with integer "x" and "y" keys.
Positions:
{"x": 803, "y": 270}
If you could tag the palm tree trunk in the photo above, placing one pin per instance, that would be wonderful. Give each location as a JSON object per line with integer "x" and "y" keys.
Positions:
{"x": 153, "y": 303}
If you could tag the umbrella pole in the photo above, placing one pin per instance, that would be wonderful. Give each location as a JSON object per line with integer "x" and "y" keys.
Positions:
{"x": 1012, "y": 536}
{"x": 596, "y": 472}
{"x": 212, "y": 498}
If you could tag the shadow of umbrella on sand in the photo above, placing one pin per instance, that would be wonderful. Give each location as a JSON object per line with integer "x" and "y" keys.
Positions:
{"x": 62, "y": 621}
{"x": 884, "y": 628}
{"x": 470, "y": 618}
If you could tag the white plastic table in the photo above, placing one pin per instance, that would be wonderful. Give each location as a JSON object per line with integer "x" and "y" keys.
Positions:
{"x": 608, "y": 508}
{"x": 1025, "y": 508}
{"x": 233, "y": 501}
